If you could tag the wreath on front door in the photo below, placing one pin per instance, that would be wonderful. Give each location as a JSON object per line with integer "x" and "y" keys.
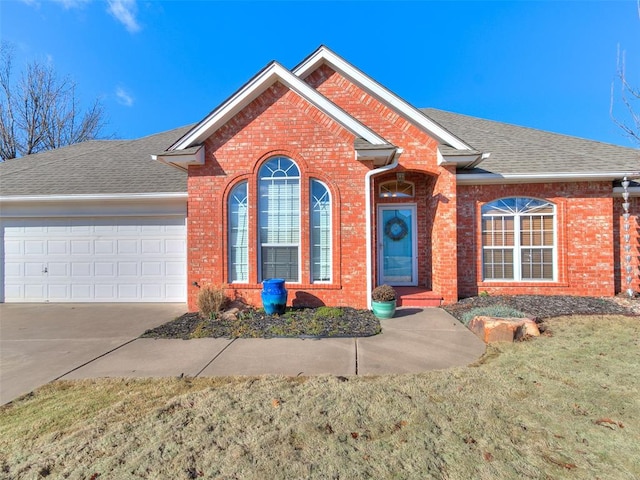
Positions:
{"x": 396, "y": 229}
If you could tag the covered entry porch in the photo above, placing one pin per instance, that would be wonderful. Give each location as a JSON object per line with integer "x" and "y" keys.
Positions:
{"x": 411, "y": 237}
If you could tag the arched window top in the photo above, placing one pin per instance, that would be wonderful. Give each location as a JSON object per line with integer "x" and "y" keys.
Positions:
{"x": 238, "y": 194}
{"x": 518, "y": 206}
{"x": 397, "y": 189}
{"x": 279, "y": 167}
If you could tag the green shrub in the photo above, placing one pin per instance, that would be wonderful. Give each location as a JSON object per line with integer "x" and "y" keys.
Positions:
{"x": 328, "y": 312}
{"x": 500, "y": 311}
{"x": 211, "y": 301}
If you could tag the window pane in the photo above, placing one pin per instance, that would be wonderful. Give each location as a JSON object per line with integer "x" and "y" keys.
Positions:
{"x": 498, "y": 264}
{"x": 238, "y": 234}
{"x": 527, "y": 225}
{"x": 320, "y": 233}
{"x": 537, "y": 264}
{"x": 279, "y": 218}
{"x": 280, "y": 262}
{"x": 396, "y": 189}
{"x": 498, "y": 231}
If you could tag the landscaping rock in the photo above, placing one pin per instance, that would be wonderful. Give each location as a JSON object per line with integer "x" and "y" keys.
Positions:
{"x": 493, "y": 329}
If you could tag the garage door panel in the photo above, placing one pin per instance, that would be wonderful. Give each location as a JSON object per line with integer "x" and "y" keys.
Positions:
{"x": 151, "y": 292}
{"x": 128, "y": 247}
{"x": 34, "y": 269}
{"x": 35, "y": 292}
{"x": 152, "y": 246}
{"x": 13, "y": 247}
{"x": 95, "y": 259}
{"x": 103, "y": 247}
{"x": 34, "y": 247}
{"x": 128, "y": 269}
{"x": 81, "y": 269}
{"x": 173, "y": 269}
{"x": 104, "y": 269}
{"x": 58, "y": 292}
{"x": 151, "y": 268}
{"x": 81, "y": 247}
{"x": 128, "y": 291}
{"x": 105, "y": 293}
{"x": 172, "y": 247}
{"x": 82, "y": 293}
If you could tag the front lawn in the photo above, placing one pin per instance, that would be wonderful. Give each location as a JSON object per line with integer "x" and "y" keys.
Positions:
{"x": 561, "y": 406}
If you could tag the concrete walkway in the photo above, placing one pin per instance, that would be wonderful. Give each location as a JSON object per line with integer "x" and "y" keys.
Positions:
{"x": 415, "y": 340}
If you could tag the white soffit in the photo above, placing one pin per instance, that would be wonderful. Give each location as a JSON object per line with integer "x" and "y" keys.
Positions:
{"x": 324, "y": 55}
{"x": 271, "y": 74}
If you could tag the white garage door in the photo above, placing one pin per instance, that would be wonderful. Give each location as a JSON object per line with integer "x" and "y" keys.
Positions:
{"x": 136, "y": 259}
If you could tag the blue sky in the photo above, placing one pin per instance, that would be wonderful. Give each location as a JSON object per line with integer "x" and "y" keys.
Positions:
{"x": 158, "y": 65}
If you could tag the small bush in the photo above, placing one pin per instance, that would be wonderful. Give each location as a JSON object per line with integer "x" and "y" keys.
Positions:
{"x": 328, "y": 312}
{"x": 383, "y": 293}
{"x": 211, "y": 301}
{"x": 500, "y": 311}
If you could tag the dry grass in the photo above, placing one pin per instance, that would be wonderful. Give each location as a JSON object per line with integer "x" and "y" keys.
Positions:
{"x": 560, "y": 406}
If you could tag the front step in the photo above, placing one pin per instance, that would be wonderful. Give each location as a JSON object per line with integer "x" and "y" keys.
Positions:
{"x": 417, "y": 297}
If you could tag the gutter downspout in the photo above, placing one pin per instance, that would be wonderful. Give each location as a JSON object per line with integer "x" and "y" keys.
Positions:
{"x": 367, "y": 196}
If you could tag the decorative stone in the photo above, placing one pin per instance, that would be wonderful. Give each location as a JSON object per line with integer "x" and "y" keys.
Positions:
{"x": 493, "y": 329}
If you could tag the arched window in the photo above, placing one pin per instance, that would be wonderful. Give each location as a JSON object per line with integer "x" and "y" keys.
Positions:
{"x": 518, "y": 240}
{"x": 279, "y": 219}
{"x": 238, "y": 234}
{"x": 320, "y": 232}
{"x": 397, "y": 189}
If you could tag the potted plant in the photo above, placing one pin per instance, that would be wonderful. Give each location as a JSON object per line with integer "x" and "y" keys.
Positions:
{"x": 383, "y": 301}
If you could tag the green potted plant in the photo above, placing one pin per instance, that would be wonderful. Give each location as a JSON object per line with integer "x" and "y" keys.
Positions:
{"x": 383, "y": 301}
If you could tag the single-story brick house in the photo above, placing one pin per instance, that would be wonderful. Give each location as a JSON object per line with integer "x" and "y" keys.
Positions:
{"x": 323, "y": 177}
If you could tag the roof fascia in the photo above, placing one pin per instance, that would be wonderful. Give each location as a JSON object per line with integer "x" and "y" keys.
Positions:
{"x": 324, "y": 55}
{"x": 181, "y": 161}
{"x": 93, "y": 197}
{"x": 271, "y": 74}
{"x": 464, "y": 161}
{"x": 507, "y": 178}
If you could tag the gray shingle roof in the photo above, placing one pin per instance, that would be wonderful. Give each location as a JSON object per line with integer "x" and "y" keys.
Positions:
{"x": 95, "y": 167}
{"x": 521, "y": 150}
{"x": 125, "y": 166}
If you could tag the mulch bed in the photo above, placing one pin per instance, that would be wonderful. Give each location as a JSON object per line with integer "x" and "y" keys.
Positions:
{"x": 540, "y": 307}
{"x": 308, "y": 322}
{"x": 352, "y": 322}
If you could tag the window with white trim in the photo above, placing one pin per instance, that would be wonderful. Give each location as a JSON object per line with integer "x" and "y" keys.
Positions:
{"x": 279, "y": 219}
{"x": 320, "y": 232}
{"x": 518, "y": 240}
{"x": 238, "y": 234}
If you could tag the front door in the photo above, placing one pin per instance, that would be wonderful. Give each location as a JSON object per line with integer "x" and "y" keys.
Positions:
{"x": 397, "y": 251}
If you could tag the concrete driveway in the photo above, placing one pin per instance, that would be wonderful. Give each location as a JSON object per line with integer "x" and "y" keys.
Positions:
{"x": 43, "y": 342}
{"x": 40, "y": 343}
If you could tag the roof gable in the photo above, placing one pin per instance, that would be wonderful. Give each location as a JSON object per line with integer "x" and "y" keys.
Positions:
{"x": 272, "y": 73}
{"x": 323, "y": 55}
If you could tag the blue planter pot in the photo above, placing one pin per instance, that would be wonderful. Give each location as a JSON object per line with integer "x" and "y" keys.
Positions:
{"x": 274, "y": 296}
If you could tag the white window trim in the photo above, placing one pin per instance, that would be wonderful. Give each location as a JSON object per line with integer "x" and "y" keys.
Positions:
{"x": 230, "y": 260}
{"x": 298, "y": 245}
{"x": 311, "y": 280}
{"x": 517, "y": 247}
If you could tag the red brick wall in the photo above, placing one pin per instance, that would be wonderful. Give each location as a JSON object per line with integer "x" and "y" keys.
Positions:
{"x": 280, "y": 122}
{"x": 585, "y": 238}
{"x": 438, "y": 205}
